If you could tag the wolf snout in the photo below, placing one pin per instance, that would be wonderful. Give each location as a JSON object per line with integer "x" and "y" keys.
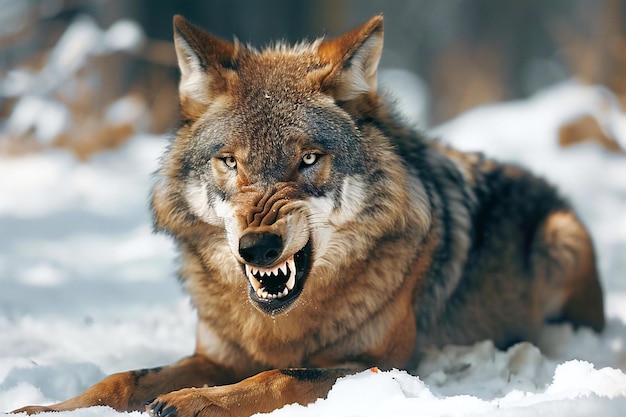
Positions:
{"x": 260, "y": 248}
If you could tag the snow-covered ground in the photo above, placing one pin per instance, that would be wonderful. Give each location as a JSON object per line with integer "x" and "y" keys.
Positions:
{"x": 86, "y": 289}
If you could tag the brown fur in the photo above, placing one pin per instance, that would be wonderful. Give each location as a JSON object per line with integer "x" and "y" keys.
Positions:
{"x": 397, "y": 243}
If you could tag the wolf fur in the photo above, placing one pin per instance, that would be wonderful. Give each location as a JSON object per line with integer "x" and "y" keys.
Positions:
{"x": 320, "y": 236}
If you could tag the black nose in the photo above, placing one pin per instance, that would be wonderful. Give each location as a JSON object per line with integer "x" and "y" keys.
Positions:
{"x": 260, "y": 249}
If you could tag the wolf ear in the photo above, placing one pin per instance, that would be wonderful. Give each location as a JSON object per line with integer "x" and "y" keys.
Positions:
{"x": 354, "y": 57}
{"x": 204, "y": 61}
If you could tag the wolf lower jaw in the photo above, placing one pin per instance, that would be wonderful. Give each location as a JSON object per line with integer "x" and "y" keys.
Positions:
{"x": 274, "y": 289}
{"x": 273, "y": 283}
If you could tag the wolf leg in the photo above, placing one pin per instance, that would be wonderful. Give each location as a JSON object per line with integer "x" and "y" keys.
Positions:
{"x": 261, "y": 393}
{"x": 128, "y": 391}
{"x": 565, "y": 255}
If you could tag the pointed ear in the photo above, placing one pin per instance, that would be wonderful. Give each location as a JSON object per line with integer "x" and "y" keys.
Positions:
{"x": 204, "y": 61}
{"x": 354, "y": 58}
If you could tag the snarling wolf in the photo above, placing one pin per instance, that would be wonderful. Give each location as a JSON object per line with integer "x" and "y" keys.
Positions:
{"x": 320, "y": 236}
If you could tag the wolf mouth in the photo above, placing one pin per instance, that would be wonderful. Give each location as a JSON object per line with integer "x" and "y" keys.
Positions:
{"x": 273, "y": 289}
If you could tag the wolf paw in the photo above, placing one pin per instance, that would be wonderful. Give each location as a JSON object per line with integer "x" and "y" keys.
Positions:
{"x": 32, "y": 409}
{"x": 186, "y": 403}
{"x": 161, "y": 409}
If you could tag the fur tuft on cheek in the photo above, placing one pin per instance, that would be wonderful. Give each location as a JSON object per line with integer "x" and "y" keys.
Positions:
{"x": 353, "y": 196}
{"x": 196, "y": 196}
{"x": 336, "y": 211}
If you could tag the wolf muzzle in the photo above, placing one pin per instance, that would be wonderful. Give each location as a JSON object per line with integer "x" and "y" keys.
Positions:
{"x": 260, "y": 248}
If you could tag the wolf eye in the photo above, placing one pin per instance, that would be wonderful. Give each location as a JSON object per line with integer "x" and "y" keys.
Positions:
{"x": 309, "y": 158}
{"x": 230, "y": 161}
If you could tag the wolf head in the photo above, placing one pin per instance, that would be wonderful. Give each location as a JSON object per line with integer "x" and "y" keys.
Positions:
{"x": 278, "y": 177}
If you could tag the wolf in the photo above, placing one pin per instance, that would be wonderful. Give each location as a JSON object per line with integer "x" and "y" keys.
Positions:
{"x": 321, "y": 236}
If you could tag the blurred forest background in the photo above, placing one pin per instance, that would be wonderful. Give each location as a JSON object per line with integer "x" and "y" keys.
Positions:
{"x": 88, "y": 74}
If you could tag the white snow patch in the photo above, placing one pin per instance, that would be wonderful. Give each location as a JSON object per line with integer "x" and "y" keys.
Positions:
{"x": 124, "y": 35}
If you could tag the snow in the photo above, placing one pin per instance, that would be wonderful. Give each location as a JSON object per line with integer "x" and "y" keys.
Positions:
{"x": 124, "y": 35}
{"x": 409, "y": 92}
{"x": 38, "y": 107}
{"x": 87, "y": 290}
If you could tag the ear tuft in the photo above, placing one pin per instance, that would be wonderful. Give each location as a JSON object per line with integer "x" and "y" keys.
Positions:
{"x": 202, "y": 59}
{"x": 354, "y": 57}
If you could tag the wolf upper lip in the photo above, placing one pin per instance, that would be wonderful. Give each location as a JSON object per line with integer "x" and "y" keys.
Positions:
{"x": 272, "y": 283}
